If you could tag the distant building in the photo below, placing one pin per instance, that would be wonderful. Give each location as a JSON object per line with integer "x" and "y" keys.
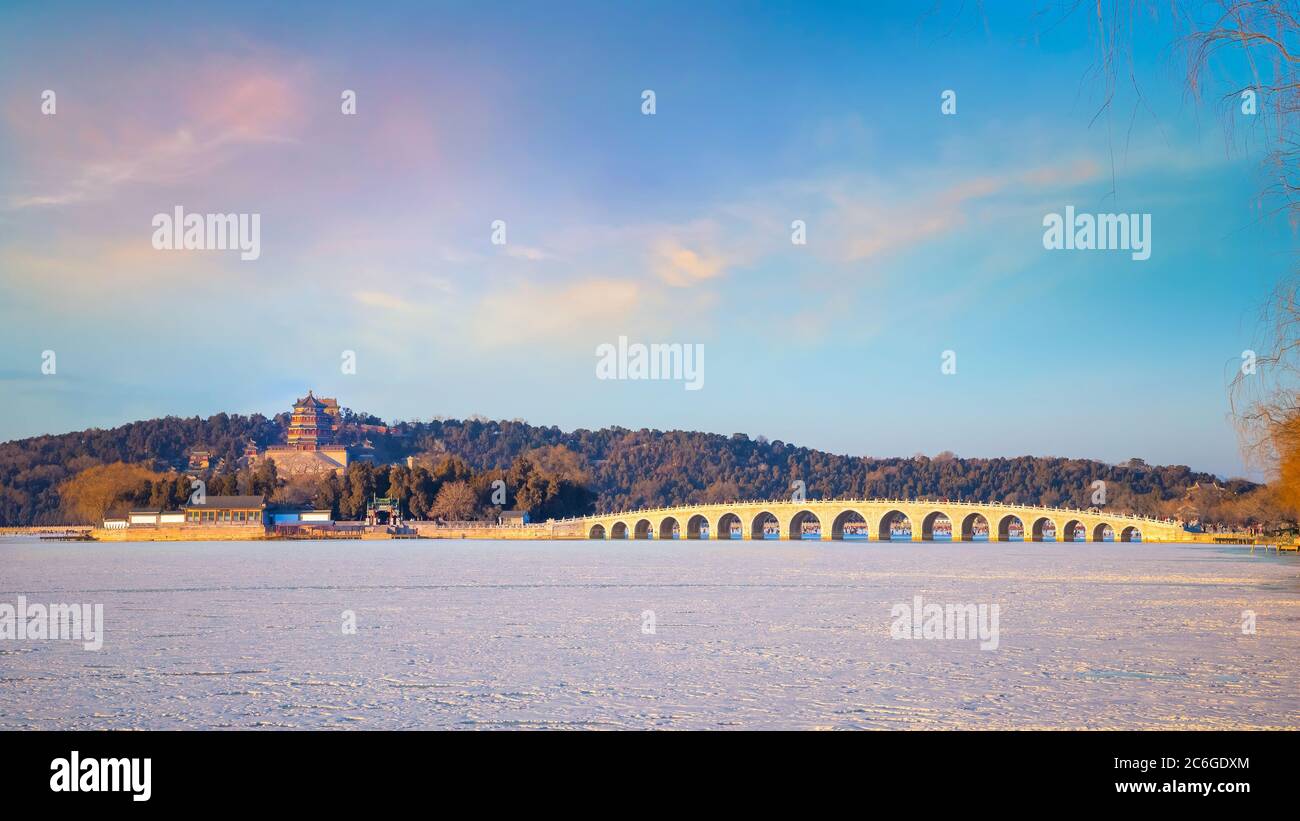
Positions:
{"x": 240, "y": 511}
{"x": 383, "y": 511}
{"x": 312, "y": 442}
{"x": 155, "y": 518}
{"x": 295, "y": 516}
{"x": 200, "y": 460}
{"x": 250, "y": 455}
{"x": 138, "y": 518}
{"x": 312, "y": 425}
{"x": 513, "y": 517}
{"x": 332, "y": 410}
{"x": 248, "y": 511}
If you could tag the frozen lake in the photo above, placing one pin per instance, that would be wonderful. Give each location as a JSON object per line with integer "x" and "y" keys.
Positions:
{"x": 468, "y": 635}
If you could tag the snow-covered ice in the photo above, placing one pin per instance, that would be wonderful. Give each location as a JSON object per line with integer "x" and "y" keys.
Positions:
{"x": 468, "y": 635}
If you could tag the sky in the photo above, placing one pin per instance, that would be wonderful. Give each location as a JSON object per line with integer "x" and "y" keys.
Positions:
{"x": 924, "y": 230}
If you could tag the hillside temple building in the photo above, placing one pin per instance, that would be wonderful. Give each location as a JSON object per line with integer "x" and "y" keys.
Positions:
{"x": 312, "y": 445}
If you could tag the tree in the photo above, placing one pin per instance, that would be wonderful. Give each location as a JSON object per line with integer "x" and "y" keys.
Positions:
{"x": 359, "y": 484}
{"x": 455, "y": 502}
{"x": 265, "y": 478}
{"x": 298, "y": 490}
{"x": 328, "y": 491}
{"x": 94, "y": 491}
{"x": 1261, "y": 80}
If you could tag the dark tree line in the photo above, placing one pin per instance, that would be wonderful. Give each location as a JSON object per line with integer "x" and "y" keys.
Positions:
{"x": 32, "y": 470}
{"x": 556, "y": 473}
{"x": 447, "y": 489}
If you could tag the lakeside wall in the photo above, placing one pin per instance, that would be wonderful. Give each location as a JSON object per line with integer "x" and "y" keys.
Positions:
{"x": 226, "y": 533}
{"x": 425, "y": 530}
{"x": 507, "y": 533}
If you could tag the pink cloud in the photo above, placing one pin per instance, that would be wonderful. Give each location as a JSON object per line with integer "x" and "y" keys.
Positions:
{"x": 185, "y": 123}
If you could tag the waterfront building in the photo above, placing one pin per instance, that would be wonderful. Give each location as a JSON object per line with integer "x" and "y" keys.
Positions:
{"x": 248, "y": 511}
{"x": 900, "y": 530}
{"x": 297, "y": 516}
{"x": 941, "y": 530}
{"x": 153, "y": 518}
{"x": 512, "y": 517}
{"x": 383, "y": 511}
{"x": 853, "y": 531}
{"x": 139, "y": 518}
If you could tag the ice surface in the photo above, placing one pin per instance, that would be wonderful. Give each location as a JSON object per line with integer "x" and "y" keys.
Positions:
{"x": 747, "y": 635}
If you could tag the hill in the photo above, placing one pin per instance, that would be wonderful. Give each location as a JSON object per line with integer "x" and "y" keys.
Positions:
{"x": 560, "y": 473}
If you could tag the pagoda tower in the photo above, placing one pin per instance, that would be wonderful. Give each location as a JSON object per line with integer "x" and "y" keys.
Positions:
{"x": 311, "y": 425}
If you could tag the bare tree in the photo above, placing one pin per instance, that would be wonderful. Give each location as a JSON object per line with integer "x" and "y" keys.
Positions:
{"x": 455, "y": 501}
{"x": 1254, "y": 46}
{"x": 1265, "y": 35}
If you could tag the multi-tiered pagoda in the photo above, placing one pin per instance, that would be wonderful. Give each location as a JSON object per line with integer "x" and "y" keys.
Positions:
{"x": 312, "y": 439}
{"x": 312, "y": 424}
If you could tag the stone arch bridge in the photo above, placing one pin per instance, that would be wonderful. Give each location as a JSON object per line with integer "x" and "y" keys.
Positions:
{"x": 873, "y": 520}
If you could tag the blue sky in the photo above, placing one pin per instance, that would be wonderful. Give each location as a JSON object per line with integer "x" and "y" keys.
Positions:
{"x": 924, "y": 230}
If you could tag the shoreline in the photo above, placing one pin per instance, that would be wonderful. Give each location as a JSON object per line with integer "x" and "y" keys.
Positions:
{"x": 541, "y": 532}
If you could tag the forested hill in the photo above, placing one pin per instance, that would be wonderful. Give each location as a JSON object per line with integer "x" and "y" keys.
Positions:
{"x": 624, "y": 468}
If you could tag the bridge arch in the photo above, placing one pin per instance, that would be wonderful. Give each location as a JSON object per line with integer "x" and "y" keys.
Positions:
{"x": 887, "y": 521}
{"x": 1044, "y": 530}
{"x": 697, "y": 527}
{"x": 795, "y": 529}
{"x": 861, "y": 531}
{"x": 759, "y": 527}
{"x": 668, "y": 526}
{"x": 1068, "y": 534}
{"x": 862, "y": 520}
{"x": 944, "y": 523}
{"x": 975, "y": 528}
{"x": 725, "y": 521}
{"x": 1011, "y": 528}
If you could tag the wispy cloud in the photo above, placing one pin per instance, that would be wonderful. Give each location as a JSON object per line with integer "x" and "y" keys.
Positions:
{"x": 199, "y": 121}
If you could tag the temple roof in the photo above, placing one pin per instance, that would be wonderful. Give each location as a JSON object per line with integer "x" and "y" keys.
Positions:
{"x": 235, "y": 502}
{"x": 309, "y": 401}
